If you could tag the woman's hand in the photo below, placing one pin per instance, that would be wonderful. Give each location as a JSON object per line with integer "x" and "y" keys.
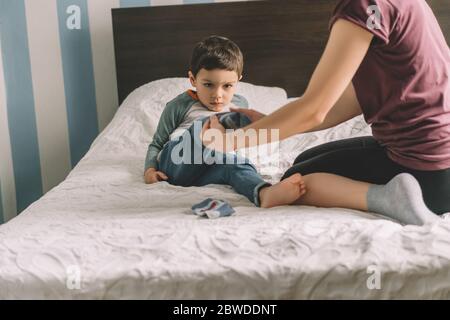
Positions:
{"x": 215, "y": 124}
{"x": 153, "y": 176}
{"x": 213, "y": 134}
{"x": 253, "y": 115}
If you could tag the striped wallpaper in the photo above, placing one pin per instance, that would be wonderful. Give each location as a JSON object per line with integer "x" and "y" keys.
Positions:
{"x": 57, "y": 90}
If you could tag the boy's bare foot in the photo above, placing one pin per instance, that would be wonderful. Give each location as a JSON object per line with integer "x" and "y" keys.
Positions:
{"x": 283, "y": 193}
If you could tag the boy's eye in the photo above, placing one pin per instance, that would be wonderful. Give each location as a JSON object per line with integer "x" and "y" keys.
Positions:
{"x": 207, "y": 85}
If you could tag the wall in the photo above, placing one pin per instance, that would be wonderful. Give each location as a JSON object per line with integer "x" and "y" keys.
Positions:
{"x": 57, "y": 90}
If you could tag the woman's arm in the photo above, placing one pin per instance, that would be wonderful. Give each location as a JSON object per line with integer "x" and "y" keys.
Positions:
{"x": 344, "y": 52}
{"x": 346, "y": 108}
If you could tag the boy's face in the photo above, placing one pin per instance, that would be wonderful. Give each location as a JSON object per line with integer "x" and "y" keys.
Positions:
{"x": 215, "y": 88}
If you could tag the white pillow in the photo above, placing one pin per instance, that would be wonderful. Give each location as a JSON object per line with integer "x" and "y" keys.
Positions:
{"x": 158, "y": 93}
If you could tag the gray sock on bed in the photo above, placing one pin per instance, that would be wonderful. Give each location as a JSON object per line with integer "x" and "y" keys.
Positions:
{"x": 400, "y": 199}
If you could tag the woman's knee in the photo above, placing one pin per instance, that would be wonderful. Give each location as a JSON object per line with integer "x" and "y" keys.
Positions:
{"x": 296, "y": 168}
{"x": 435, "y": 189}
{"x": 344, "y": 144}
{"x": 437, "y": 198}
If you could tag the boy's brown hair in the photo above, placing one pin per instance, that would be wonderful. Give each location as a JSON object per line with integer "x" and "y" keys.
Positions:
{"x": 216, "y": 52}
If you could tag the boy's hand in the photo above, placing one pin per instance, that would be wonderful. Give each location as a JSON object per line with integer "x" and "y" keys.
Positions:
{"x": 153, "y": 176}
{"x": 253, "y": 115}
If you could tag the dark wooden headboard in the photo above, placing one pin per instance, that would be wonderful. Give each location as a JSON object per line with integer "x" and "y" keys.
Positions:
{"x": 282, "y": 40}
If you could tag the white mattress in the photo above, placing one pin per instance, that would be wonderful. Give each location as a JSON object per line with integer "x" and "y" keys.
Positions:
{"x": 129, "y": 240}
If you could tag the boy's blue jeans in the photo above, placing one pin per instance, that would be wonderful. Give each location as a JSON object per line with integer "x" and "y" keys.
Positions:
{"x": 187, "y": 167}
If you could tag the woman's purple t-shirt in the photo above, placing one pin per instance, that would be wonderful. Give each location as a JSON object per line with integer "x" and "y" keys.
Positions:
{"x": 403, "y": 82}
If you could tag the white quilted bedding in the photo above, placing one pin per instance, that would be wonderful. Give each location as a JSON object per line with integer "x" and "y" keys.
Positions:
{"x": 104, "y": 234}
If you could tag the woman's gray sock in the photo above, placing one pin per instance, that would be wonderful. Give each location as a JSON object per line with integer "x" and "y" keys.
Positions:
{"x": 400, "y": 199}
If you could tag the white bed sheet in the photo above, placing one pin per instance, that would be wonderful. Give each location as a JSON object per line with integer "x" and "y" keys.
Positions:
{"x": 129, "y": 240}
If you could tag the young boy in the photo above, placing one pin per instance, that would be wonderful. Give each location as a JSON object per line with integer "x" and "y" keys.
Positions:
{"x": 216, "y": 68}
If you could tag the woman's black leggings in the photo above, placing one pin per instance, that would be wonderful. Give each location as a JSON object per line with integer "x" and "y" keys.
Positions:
{"x": 364, "y": 159}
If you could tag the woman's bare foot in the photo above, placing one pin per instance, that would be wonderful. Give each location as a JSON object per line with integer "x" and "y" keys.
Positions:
{"x": 283, "y": 193}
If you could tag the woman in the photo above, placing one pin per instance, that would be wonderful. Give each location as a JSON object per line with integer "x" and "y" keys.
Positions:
{"x": 389, "y": 61}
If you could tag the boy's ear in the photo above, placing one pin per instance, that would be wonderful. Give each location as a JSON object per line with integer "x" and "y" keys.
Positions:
{"x": 240, "y": 78}
{"x": 191, "y": 78}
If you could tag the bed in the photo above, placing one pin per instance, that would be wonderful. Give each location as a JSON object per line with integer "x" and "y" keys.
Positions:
{"x": 103, "y": 234}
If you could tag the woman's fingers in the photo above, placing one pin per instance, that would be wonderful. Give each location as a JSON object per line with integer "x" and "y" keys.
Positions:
{"x": 240, "y": 110}
{"x": 252, "y": 114}
{"x": 214, "y": 120}
{"x": 215, "y": 124}
{"x": 206, "y": 125}
{"x": 162, "y": 176}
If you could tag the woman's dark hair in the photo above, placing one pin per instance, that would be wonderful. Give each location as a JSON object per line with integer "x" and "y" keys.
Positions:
{"x": 217, "y": 52}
